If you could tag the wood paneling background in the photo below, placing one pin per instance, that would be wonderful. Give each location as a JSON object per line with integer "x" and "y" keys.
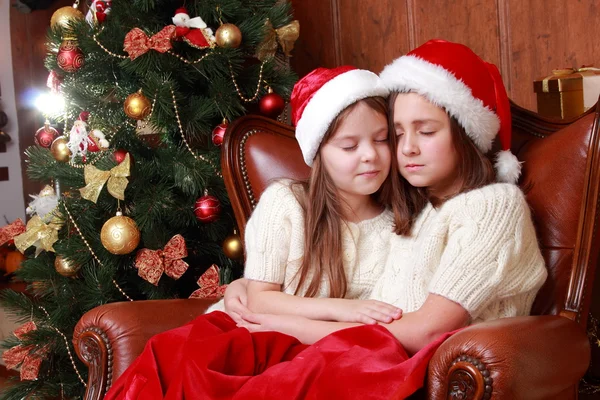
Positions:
{"x": 525, "y": 39}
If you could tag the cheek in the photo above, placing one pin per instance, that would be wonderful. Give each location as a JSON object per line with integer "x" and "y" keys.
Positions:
{"x": 385, "y": 155}
{"x": 342, "y": 166}
{"x": 445, "y": 154}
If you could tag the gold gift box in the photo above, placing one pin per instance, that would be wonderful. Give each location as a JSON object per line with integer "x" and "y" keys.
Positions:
{"x": 560, "y": 95}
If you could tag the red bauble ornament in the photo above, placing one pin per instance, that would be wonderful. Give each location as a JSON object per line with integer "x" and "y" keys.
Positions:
{"x": 219, "y": 133}
{"x": 271, "y": 104}
{"x": 207, "y": 209}
{"x": 46, "y": 135}
{"x": 120, "y": 154}
{"x": 70, "y": 57}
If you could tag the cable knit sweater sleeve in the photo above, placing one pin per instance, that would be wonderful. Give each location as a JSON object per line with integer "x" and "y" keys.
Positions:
{"x": 268, "y": 236}
{"x": 491, "y": 251}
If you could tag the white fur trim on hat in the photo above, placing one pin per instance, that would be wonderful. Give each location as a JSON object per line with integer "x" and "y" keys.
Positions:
{"x": 508, "y": 167}
{"x": 442, "y": 88}
{"x": 330, "y": 100}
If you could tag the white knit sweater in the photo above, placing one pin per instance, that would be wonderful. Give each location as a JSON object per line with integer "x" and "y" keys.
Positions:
{"x": 479, "y": 249}
{"x": 274, "y": 241}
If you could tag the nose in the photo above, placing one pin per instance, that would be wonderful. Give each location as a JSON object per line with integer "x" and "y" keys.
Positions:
{"x": 408, "y": 144}
{"x": 369, "y": 153}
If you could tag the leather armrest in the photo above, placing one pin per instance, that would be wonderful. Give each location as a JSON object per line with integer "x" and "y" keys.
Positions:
{"x": 541, "y": 357}
{"x": 108, "y": 338}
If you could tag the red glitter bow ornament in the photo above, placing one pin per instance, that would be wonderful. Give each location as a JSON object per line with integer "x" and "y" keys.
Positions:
{"x": 28, "y": 357}
{"x": 8, "y": 232}
{"x": 209, "y": 285}
{"x": 152, "y": 263}
{"x": 138, "y": 43}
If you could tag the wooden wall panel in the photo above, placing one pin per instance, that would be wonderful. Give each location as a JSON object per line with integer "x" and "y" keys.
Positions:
{"x": 374, "y": 36}
{"x": 317, "y": 45}
{"x": 546, "y": 35}
{"x": 472, "y": 22}
{"x": 526, "y": 40}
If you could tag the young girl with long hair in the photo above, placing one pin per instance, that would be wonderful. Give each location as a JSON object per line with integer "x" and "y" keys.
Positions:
{"x": 311, "y": 244}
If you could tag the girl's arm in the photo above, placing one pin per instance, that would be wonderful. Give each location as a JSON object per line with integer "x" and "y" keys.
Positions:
{"x": 267, "y": 298}
{"x": 415, "y": 330}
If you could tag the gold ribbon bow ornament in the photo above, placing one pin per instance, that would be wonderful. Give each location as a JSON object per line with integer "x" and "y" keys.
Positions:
{"x": 138, "y": 43}
{"x": 285, "y": 35}
{"x": 39, "y": 234}
{"x": 96, "y": 178}
{"x": 152, "y": 263}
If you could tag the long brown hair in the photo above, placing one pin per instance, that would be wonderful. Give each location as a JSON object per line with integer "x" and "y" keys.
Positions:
{"x": 323, "y": 219}
{"x": 474, "y": 171}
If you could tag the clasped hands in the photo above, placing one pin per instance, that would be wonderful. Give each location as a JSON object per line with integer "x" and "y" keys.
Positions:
{"x": 367, "y": 312}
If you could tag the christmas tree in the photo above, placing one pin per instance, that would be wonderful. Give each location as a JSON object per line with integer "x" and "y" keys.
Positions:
{"x": 135, "y": 206}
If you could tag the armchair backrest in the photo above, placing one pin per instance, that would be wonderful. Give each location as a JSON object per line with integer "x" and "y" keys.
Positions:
{"x": 561, "y": 178}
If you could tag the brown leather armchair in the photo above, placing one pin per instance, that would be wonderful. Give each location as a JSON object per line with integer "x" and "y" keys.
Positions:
{"x": 537, "y": 357}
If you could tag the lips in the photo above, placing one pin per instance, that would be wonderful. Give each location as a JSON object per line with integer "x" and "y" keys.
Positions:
{"x": 413, "y": 167}
{"x": 369, "y": 173}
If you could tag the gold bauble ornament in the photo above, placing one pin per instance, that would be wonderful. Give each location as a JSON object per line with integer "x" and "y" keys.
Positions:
{"x": 65, "y": 267}
{"x": 233, "y": 247}
{"x": 137, "y": 106}
{"x": 120, "y": 234}
{"x": 59, "y": 149}
{"x": 65, "y": 16}
{"x": 228, "y": 35}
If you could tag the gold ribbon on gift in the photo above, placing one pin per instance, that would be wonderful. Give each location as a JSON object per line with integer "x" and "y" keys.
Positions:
{"x": 96, "y": 178}
{"x": 38, "y": 233}
{"x": 562, "y": 72}
{"x": 285, "y": 35}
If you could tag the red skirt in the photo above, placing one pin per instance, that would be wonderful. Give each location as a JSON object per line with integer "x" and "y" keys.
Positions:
{"x": 211, "y": 358}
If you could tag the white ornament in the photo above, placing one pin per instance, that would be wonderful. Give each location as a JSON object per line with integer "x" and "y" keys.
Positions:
{"x": 102, "y": 142}
{"x": 78, "y": 139}
{"x": 43, "y": 204}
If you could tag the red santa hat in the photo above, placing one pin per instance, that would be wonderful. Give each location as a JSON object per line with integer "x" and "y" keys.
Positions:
{"x": 452, "y": 76}
{"x": 181, "y": 10}
{"x": 319, "y": 97}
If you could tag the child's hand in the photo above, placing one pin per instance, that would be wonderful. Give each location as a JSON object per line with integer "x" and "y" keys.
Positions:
{"x": 236, "y": 299}
{"x": 363, "y": 311}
